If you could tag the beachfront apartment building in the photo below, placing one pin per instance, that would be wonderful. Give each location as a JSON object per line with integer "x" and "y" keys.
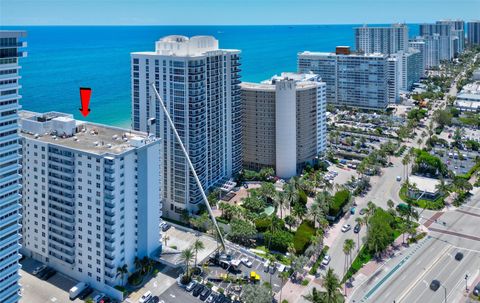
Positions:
{"x": 381, "y": 39}
{"x": 473, "y": 35}
{"x": 284, "y": 123}
{"x": 200, "y": 86}
{"x": 11, "y": 44}
{"x": 421, "y": 47}
{"x": 91, "y": 197}
{"x": 450, "y": 36}
{"x": 353, "y": 79}
{"x": 431, "y": 48}
{"x": 409, "y": 68}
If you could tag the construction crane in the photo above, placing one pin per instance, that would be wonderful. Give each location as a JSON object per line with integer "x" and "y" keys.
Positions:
{"x": 192, "y": 169}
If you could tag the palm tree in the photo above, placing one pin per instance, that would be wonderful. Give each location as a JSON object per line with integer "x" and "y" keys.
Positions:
{"x": 122, "y": 271}
{"x": 442, "y": 186}
{"x": 138, "y": 263}
{"x": 267, "y": 190}
{"x": 360, "y": 221}
{"x": 291, "y": 194}
{"x": 332, "y": 285}
{"x": 279, "y": 200}
{"x": 198, "y": 246}
{"x": 315, "y": 212}
{"x": 348, "y": 246}
{"x": 186, "y": 257}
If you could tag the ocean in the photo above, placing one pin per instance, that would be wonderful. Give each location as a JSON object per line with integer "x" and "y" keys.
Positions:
{"x": 63, "y": 58}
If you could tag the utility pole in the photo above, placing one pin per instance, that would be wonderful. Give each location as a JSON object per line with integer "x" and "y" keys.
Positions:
{"x": 192, "y": 169}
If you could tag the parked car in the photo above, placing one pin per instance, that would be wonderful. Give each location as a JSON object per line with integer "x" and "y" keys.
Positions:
{"x": 346, "y": 228}
{"x": 40, "y": 268}
{"x": 357, "y": 228}
{"x": 197, "y": 290}
{"x": 85, "y": 293}
{"x": 363, "y": 211}
{"x": 266, "y": 266}
{"x": 246, "y": 262}
{"x": 352, "y": 210}
{"x": 166, "y": 227}
{"x": 205, "y": 293}
{"x": 399, "y": 178}
{"x": 211, "y": 298}
{"x": 191, "y": 286}
{"x": 435, "y": 285}
{"x": 326, "y": 260}
{"x": 48, "y": 273}
{"x": 146, "y": 296}
{"x": 44, "y": 272}
{"x": 100, "y": 296}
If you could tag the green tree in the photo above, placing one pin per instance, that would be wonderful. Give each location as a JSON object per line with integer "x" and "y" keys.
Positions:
{"x": 122, "y": 271}
{"x": 186, "y": 257}
{"x": 256, "y": 293}
{"x": 331, "y": 294}
{"x": 198, "y": 246}
{"x": 242, "y": 232}
{"x": 442, "y": 117}
{"x": 380, "y": 231}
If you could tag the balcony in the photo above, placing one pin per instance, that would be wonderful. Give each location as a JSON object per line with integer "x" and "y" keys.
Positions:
{"x": 109, "y": 247}
{"x": 109, "y": 231}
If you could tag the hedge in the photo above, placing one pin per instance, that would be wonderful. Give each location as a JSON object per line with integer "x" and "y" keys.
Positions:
{"x": 340, "y": 199}
{"x": 303, "y": 235}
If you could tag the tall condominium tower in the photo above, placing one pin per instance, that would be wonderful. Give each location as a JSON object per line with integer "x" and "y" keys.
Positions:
{"x": 385, "y": 40}
{"x": 458, "y": 31}
{"x": 200, "y": 86}
{"x": 353, "y": 80}
{"x": 446, "y": 36}
{"x": 473, "y": 36}
{"x": 420, "y": 46}
{"x": 91, "y": 198}
{"x": 10, "y": 178}
{"x": 284, "y": 122}
{"x": 409, "y": 68}
{"x": 431, "y": 48}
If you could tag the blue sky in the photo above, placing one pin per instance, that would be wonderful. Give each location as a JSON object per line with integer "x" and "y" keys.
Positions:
{"x": 200, "y": 12}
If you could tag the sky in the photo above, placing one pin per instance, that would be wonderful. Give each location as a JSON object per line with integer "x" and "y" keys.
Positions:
{"x": 231, "y": 12}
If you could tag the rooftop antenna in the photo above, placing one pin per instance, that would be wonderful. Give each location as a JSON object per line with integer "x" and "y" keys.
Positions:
{"x": 192, "y": 169}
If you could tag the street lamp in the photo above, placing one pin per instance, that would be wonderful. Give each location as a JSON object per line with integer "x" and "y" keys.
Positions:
{"x": 466, "y": 283}
{"x": 445, "y": 289}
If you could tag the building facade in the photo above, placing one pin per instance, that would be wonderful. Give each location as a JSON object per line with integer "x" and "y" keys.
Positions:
{"x": 200, "y": 86}
{"x": 473, "y": 36}
{"x": 353, "y": 80}
{"x": 10, "y": 179}
{"x": 91, "y": 197}
{"x": 409, "y": 68}
{"x": 431, "y": 57}
{"x": 449, "y": 43}
{"x": 284, "y": 123}
{"x": 385, "y": 40}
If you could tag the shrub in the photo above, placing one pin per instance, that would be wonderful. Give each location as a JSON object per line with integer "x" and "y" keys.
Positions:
{"x": 302, "y": 197}
{"x": 279, "y": 241}
{"x": 340, "y": 199}
{"x": 305, "y": 282}
{"x": 303, "y": 236}
{"x": 135, "y": 278}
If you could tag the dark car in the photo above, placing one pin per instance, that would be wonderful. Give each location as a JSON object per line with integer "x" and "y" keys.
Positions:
{"x": 85, "y": 293}
{"x": 435, "y": 285}
{"x": 205, "y": 293}
{"x": 476, "y": 290}
{"x": 49, "y": 274}
{"x": 155, "y": 299}
{"x": 45, "y": 271}
{"x": 357, "y": 228}
{"x": 198, "y": 290}
{"x": 363, "y": 211}
{"x": 166, "y": 227}
{"x": 458, "y": 256}
{"x": 220, "y": 298}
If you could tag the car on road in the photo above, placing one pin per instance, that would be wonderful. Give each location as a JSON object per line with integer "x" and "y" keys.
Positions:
{"x": 352, "y": 210}
{"x": 399, "y": 178}
{"x": 357, "y": 228}
{"x": 145, "y": 298}
{"x": 363, "y": 211}
{"x": 346, "y": 228}
{"x": 198, "y": 290}
{"x": 191, "y": 286}
{"x": 40, "y": 268}
{"x": 246, "y": 262}
{"x": 205, "y": 293}
{"x": 155, "y": 299}
{"x": 435, "y": 285}
{"x": 476, "y": 290}
{"x": 326, "y": 260}
{"x": 459, "y": 256}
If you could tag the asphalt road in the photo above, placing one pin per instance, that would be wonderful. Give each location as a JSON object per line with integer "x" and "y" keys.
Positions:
{"x": 406, "y": 278}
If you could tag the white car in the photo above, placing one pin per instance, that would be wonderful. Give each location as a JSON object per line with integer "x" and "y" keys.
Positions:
{"x": 326, "y": 260}
{"x": 399, "y": 178}
{"x": 98, "y": 297}
{"x": 37, "y": 270}
{"x": 346, "y": 228}
{"x": 246, "y": 262}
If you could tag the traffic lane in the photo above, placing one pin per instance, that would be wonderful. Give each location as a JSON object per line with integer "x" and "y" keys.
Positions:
{"x": 409, "y": 275}
{"x": 421, "y": 291}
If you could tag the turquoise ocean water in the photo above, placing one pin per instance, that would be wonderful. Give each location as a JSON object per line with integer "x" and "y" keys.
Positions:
{"x": 63, "y": 58}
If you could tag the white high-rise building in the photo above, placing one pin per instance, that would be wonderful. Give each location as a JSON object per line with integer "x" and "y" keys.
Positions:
{"x": 284, "y": 123}
{"x": 445, "y": 35}
{"x": 199, "y": 84}
{"x": 420, "y": 46}
{"x": 91, "y": 199}
{"x": 431, "y": 48}
{"x": 458, "y": 32}
{"x": 473, "y": 35}
{"x": 409, "y": 68}
{"x": 385, "y": 40}
{"x": 353, "y": 80}
{"x": 10, "y": 178}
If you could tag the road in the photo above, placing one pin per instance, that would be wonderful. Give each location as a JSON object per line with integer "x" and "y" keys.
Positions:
{"x": 406, "y": 277}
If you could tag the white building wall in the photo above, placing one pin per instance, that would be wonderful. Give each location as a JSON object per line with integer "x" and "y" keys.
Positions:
{"x": 286, "y": 129}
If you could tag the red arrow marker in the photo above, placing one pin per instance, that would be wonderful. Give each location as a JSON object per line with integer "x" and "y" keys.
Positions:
{"x": 85, "y": 94}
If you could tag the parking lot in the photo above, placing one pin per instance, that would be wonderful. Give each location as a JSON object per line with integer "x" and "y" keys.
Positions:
{"x": 215, "y": 276}
{"x": 459, "y": 162}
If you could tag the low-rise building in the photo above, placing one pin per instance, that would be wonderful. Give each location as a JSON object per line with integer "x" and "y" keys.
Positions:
{"x": 91, "y": 197}
{"x": 468, "y": 100}
{"x": 425, "y": 188}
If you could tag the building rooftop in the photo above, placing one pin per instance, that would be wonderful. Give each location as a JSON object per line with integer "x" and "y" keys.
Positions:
{"x": 333, "y": 54}
{"x": 424, "y": 184}
{"x": 307, "y": 80}
{"x": 62, "y": 129}
{"x": 471, "y": 89}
